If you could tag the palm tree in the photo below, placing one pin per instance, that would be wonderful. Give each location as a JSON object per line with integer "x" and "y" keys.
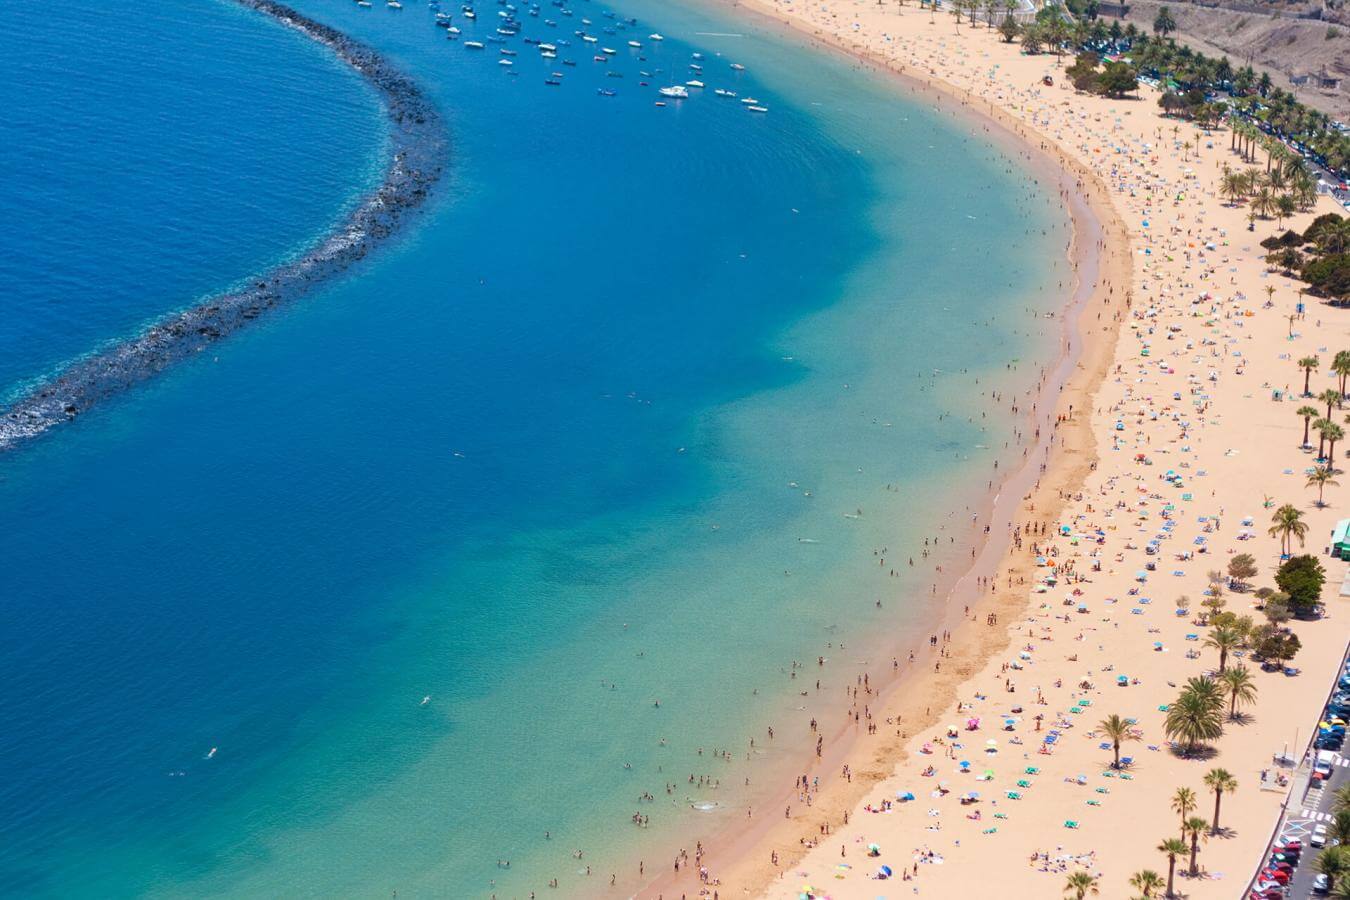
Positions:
{"x": 1340, "y": 798}
{"x": 1194, "y": 828}
{"x": 1333, "y": 434}
{"x": 1196, "y": 715}
{"x": 1308, "y": 413}
{"x": 1320, "y": 426}
{"x": 1334, "y": 862}
{"x": 1220, "y": 781}
{"x": 1320, "y": 478}
{"x": 1288, "y": 522}
{"x": 1146, "y": 881}
{"x": 1241, "y": 689}
{"x": 1225, "y": 639}
{"x": 1117, "y": 730}
{"x": 1184, "y": 803}
{"x": 1233, "y": 186}
{"x": 1338, "y": 829}
{"x": 1080, "y": 884}
{"x": 1263, "y": 202}
{"x": 1330, "y": 397}
{"x": 1340, "y": 364}
{"x": 1172, "y": 848}
{"x": 1307, "y": 364}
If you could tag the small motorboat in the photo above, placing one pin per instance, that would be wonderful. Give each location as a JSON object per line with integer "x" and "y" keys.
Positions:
{"x": 474, "y": 45}
{"x": 677, "y": 91}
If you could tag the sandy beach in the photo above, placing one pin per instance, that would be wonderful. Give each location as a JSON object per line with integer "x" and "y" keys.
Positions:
{"x": 1167, "y": 425}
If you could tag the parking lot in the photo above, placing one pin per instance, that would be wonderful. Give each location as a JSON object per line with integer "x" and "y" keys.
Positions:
{"x": 1290, "y": 870}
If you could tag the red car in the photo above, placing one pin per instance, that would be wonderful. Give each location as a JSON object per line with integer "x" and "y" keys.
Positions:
{"x": 1275, "y": 875}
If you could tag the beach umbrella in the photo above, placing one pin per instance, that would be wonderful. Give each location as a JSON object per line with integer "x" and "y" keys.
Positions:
{"x": 884, "y": 871}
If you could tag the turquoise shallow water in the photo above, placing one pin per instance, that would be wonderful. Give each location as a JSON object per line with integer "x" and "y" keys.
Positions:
{"x": 536, "y": 460}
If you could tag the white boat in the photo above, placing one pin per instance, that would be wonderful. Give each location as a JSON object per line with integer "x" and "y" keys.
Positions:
{"x": 365, "y": 3}
{"x": 548, "y": 54}
{"x": 655, "y": 37}
{"x": 634, "y": 44}
{"x": 749, "y": 101}
{"x": 393, "y": 4}
{"x": 505, "y": 62}
{"x": 453, "y": 29}
{"x": 547, "y": 48}
{"x": 590, "y": 40}
{"x": 474, "y": 45}
{"x": 469, "y": 14}
{"x": 738, "y": 67}
{"x": 694, "y": 84}
{"x": 678, "y": 91}
{"x": 608, "y": 51}
{"x": 757, "y": 108}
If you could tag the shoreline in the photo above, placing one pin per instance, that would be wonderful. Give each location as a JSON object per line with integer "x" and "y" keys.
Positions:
{"x": 1184, "y": 245}
{"x": 1063, "y": 454}
{"x": 416, "y": 162}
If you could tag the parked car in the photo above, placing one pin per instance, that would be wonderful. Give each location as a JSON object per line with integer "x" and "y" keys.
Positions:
{"x": 1321, "y": 885}
{"x": 1319, "y": 836}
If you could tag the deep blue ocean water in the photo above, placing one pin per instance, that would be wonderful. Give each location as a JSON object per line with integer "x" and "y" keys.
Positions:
{"x": 622, "y": 418}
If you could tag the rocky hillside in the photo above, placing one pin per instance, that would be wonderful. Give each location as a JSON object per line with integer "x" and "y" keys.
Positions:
{"x": 1287, "y": 38}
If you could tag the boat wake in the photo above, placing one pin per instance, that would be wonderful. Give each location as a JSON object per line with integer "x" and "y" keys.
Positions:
{"x": 418, "y": 155}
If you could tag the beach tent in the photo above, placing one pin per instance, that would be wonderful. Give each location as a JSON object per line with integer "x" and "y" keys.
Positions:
{"x": 1340, "y": 539}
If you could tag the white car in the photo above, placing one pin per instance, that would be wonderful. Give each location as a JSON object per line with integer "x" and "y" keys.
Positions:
{"x": 1319, "y": 836}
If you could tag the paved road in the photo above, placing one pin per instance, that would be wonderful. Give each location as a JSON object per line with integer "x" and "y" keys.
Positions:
{"x": 1302, "y": 818}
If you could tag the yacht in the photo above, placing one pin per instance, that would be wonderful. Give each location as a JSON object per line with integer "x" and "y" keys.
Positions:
{"x": 678, "y": 91}
{"x": 694, "y": 84}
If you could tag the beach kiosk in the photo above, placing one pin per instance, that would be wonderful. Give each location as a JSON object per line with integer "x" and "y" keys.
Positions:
{"x": 1340, "y": 539}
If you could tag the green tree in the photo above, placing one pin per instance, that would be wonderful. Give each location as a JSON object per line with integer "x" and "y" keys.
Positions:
{"x": 1225, "y": 640}
{"x": 1080, "y": 884}
{"x": 1331, "y": 397}
{"x": 1146, "y": 881}
{"x": 1194, "y": 829}
{"x": 1184, "y": 803}
{"x": 1340, "y": 364}
{"x": 1307, "y": 364}
{"x": 1240, "y": 687}
{"x": 1308, "y": 413}
{"x": 1008, "y": 28}
{"x": 1118, "y": 79}
{"x": 1241, "y": 569}
{"x": 1302, "y": 578}
{"x": 1117, "y": 730}
{"x": 1221, "y": 782}
{"x": 1288, "y": 523}
{"x": 1164, "y": 24}
{"x": 1338, "y": 829}
{"x": 1333, "y": 433}
{"x": 1196, "y": 716}
{"x": 1172, "y": 848}
{"x": 1321, "y": 478}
